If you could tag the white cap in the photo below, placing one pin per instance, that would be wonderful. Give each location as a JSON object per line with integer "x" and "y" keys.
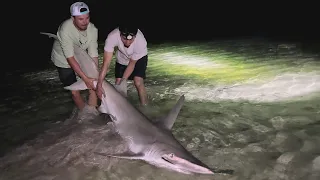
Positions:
{"x": 76, "y": 7}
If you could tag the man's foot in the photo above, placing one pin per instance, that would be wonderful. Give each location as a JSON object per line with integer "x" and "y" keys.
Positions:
{"x": 87, "y": 113}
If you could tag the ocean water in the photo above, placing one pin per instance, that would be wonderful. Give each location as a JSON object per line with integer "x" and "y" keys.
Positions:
{"x": 263, "y": 125}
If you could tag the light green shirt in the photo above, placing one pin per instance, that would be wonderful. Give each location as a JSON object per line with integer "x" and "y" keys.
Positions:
{"x": 69, "y": 36}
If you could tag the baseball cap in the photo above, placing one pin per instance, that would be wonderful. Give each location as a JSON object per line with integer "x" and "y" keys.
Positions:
{"x": 79, "y": 8}
{"x": 128, "y": 31}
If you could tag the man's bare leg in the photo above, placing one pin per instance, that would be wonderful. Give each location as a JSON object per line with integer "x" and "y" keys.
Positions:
{"x": 86, "y": 111}
{"x": 118, "y": 80}
{"x": 139, "y": 83}
{"x": 78, "y": 100}
{"x": 93, "y": 98}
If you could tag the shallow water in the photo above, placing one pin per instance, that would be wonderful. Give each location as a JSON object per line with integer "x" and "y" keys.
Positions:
{"x": 262, "y": 128}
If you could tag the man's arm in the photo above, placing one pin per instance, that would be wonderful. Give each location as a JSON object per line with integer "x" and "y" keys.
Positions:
{"x": 76, "y": 67}
{"x": 139, "y": 51}
{"x": 68, "y": 50}
{"x": 129, "y": 69}
{"x": 93, "y": 46}
{"x": 67, "y": 46}
{"x": 110, "y": 44}
{"x": 107, "y": 57}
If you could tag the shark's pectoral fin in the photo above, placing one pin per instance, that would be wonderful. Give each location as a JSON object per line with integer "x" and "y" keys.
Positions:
{"x": 103, "y": 109}
{"x": 79, "y": 85}
{"x": 178, "y": 161}
{"x": 125, "y": 155}
{"x": 113, "y": 118}
{"x": 122, "y": 88}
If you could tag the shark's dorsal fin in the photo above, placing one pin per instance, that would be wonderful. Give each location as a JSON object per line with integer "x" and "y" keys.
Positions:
{"x": 168, "y": 121}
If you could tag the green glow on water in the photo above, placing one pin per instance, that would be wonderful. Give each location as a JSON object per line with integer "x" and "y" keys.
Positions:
{"x": 219, "y": 63}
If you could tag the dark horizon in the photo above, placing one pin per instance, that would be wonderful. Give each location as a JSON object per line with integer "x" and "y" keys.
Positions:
{"x": 195, "y": 21}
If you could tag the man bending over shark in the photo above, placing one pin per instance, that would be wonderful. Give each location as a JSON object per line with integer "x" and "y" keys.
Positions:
{"x": 76, "y": 31}
{"x": 132, "y": 59}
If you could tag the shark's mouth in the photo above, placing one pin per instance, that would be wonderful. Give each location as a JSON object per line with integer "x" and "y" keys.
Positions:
{"x": 185, "y": 164}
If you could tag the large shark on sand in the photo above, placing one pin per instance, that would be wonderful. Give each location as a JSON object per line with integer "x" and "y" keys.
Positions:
{"x": 151, "y": 141}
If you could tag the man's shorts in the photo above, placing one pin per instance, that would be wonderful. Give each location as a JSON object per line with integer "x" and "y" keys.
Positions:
{"x": 139, "y": 69}
{"x": 67, "y": 76}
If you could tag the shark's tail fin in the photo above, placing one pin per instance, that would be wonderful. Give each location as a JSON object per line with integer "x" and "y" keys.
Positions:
{"x": 50, "y": 35}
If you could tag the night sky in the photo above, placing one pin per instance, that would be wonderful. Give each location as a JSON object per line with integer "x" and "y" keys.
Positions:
{"x": 195, "y": 20}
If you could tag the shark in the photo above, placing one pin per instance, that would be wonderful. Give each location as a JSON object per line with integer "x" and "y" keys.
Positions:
{"x": 149, "y": 140}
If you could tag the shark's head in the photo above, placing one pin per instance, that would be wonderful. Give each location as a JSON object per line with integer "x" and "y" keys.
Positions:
{"x": 168, "y": 153}
{"x": 176, "y": 159}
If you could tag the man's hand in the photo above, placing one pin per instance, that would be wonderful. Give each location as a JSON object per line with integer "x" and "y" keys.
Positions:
{"x": 107, "y": 56}
{"x": 100, "y": 91}
{"x": 89, "y": 83}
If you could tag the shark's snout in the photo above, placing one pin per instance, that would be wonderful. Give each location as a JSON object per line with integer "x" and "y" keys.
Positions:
{"x": 184, "y": 165}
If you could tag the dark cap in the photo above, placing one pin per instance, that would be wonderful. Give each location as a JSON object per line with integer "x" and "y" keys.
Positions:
{"x": 128, "y": 31}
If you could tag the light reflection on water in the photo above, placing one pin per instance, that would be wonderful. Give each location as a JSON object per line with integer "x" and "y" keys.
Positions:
{"x": 260, "y": 140}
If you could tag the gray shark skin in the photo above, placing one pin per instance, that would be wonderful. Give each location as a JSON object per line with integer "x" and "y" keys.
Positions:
{"x": 150, "y": 141}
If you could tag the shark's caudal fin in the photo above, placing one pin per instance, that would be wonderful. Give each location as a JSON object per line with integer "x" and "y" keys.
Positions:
{"x": 50, "y": 35}
{"x": 168, "y": 121}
